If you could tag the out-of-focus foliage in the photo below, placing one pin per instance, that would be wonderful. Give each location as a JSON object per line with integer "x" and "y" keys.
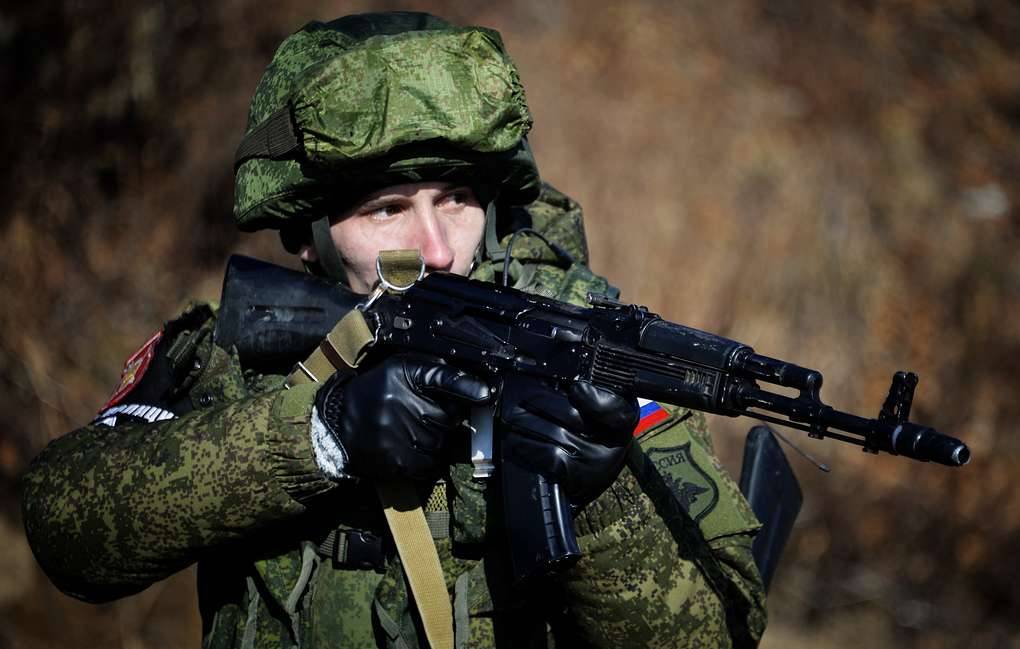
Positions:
{"x": 832, "y": 182}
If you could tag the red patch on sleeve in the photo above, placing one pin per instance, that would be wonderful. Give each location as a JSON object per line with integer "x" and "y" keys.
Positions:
{"x": 134, "y": 369}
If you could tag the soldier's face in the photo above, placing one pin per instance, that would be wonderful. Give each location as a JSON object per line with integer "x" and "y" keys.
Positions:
{"x": 444, "y": 221}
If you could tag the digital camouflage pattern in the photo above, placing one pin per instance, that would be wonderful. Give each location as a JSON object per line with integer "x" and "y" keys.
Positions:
{"x": 380, "y": 99}
{"x": 233, "y": 485}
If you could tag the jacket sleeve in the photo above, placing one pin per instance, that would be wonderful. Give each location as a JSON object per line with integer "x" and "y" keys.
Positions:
{"x": 108, "y": 510}
{"x": 667, "y": 552}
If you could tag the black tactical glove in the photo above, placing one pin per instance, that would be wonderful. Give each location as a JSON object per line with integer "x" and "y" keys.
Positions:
{"x": 578, "y": 439}
{"x": 394, "y": 420}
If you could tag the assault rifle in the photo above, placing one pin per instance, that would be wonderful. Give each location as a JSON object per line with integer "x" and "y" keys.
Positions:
{"x": 276, "y": 317}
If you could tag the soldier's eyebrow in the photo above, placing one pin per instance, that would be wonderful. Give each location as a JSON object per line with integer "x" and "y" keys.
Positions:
{"x": 457, "y": 189}
{"x": 376, "y": 202}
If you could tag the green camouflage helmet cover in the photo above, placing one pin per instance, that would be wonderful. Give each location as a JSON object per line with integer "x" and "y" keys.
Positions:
{"x": 371, "y": 100}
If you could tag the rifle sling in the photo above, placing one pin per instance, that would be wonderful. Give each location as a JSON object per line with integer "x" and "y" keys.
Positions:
{"x": 341, "y": 351}
{"x": 417, "y": 550}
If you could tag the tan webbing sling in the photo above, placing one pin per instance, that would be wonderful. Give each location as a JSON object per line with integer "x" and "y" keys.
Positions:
{"x": 342, "y": 350}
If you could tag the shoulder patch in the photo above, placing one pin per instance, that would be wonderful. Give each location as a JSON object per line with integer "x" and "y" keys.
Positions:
{"x": 134, "y": 370}
{"x": 694, "y": 488}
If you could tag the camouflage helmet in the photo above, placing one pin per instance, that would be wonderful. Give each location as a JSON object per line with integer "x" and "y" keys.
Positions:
{"x": 371, "y": 100}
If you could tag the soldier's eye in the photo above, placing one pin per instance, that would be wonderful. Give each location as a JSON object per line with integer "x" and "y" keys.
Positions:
{"x": 384, "y": 211}
{"x": 458, "y": 196}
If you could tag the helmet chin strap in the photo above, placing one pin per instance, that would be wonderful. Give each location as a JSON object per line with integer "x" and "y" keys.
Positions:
{"x": 489, "y": 247}
{"x": 329, "y": 259}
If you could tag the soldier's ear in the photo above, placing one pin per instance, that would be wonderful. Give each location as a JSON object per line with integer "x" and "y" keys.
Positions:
{"x": 307, "y": 253}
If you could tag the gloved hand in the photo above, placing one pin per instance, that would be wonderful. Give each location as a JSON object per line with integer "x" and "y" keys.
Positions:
{"x": 395, "y": 419}
{"x": 579, "y": 438}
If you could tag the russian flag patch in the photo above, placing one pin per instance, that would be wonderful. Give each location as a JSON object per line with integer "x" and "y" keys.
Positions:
{"x": 651, "y": 414}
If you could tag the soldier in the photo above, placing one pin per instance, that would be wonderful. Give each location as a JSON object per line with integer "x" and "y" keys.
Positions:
{"x": 373, "y": 132}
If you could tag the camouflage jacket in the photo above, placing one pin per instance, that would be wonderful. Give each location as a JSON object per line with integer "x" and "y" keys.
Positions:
{"x": 231, "y": 482}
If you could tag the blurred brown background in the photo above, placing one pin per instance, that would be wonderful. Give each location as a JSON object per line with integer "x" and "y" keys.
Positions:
{"x": 832, "y": 182}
